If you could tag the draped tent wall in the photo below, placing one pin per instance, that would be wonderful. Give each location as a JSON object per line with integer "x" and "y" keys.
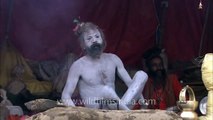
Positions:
{"x": 42, "y": 29}
{"x": 207, "y": 36}
{"x": 183, "y": 29}
{"x": 3, "y": 12}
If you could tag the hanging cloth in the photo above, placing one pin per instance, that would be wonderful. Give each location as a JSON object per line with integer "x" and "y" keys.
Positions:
{"x": 11, "y": 58}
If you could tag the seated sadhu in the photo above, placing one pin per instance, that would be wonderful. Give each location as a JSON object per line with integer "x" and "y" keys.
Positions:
{"x": 161, "y": 90}
{"x": 94, "y": 74}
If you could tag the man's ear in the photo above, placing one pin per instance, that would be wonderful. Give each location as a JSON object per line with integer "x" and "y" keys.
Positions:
{"x": 82, "y": 44}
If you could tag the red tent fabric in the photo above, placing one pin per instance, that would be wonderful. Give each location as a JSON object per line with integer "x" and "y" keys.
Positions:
{"x": 42, "y": 29}
{"x": 183, "y": 29}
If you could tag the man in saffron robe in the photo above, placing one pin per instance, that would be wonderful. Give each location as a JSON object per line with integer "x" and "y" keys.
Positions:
{"x": 162, "y": 88}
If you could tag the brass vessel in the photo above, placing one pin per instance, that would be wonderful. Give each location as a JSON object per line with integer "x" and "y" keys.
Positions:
{"x": 187, "y": 106}
{"x": 207, "y": 77}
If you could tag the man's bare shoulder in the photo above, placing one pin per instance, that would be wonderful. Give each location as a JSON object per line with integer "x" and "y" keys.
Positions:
{"x": 110, "y": 55}
{"x": 78, "y": 62}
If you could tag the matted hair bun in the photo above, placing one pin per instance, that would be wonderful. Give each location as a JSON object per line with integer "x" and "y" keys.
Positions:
{"x": 77, "y": 29}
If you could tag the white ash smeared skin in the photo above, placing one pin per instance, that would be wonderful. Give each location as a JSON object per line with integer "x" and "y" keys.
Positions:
{"x": 94, "y": 75}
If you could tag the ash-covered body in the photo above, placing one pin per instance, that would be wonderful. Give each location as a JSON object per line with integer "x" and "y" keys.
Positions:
{"x": 94, "y": 74}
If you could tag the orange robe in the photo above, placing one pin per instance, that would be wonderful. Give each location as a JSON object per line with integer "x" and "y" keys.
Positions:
{"x": 163, "y": 98}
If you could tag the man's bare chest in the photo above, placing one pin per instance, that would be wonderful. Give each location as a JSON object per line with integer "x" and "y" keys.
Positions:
{"x": 99, "y": 73}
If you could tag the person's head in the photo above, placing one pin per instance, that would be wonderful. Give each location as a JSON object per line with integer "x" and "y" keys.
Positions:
{"x": 155, "y": 64}
{"x": 156, "y": 69}
{"x": 92, "y": 39}
{"x": 153, "y": 61}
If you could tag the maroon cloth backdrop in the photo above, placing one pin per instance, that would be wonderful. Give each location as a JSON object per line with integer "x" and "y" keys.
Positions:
{"x": 183, "y": 29}
{"x": 42, "y": 29}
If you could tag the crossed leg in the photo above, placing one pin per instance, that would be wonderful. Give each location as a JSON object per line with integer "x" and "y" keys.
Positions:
{"x": 134, "y": 92}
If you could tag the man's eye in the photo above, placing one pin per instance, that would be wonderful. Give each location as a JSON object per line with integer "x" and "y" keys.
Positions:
{"x": 97, "y": 36}
{"x": 89, "y": 38}
{"x": 155, "y": 65}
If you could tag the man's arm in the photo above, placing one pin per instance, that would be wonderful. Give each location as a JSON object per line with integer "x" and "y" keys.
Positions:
{"x": 72, "y": 80}
{"x": 122, "y": 73}
{"x": 135, "y": 85}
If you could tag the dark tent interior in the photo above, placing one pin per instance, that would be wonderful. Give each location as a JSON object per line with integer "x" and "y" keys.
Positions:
{"x": 38, "y": 34}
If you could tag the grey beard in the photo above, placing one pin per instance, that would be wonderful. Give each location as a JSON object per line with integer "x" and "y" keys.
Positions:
{"x": 95, "y": 50}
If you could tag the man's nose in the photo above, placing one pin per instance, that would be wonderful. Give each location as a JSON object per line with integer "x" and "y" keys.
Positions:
{"x": 159, "y": 67}
{"x": 94, "y": 40}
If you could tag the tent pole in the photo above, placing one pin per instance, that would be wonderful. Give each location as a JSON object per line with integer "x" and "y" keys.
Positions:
{"x": 203, "y": 36}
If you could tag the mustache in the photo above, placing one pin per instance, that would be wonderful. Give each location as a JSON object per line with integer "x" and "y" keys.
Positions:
{"x": 95, "y": 45}
{"x": 158, "y": 73}
{"x": 159, "y": 70}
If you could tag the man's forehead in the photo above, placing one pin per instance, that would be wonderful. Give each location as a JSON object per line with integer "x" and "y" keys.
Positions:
{"x": 92, "y": 32}
{"x": 156, "y": 60}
